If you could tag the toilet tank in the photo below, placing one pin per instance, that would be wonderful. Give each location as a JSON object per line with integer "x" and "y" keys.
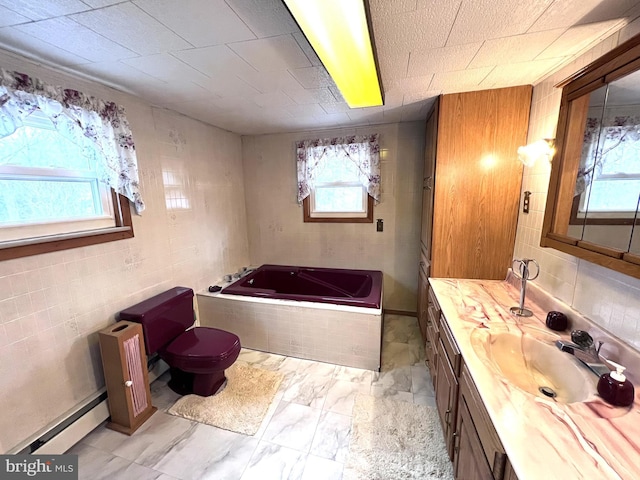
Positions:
{"x": 163, "y": 317}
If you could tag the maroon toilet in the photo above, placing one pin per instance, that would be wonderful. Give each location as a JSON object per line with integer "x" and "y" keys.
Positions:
{"x": 197, "y": 357}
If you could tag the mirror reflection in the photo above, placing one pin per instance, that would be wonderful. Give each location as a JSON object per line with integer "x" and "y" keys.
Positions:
{"x": 605, "y": 203}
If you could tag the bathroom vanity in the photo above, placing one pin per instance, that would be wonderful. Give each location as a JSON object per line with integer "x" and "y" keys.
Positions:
{"x": 487, "y": 367}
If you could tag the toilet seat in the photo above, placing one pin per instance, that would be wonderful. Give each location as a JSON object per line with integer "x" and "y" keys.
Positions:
{"x": 202, "y": 349}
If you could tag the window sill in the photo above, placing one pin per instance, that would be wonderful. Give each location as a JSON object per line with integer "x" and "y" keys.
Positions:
{"x": 53, "y": 243}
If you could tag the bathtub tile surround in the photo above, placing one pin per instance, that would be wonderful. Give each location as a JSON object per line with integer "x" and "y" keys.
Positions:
{"x": 296, "y": 440}
{"x": 610, "y": 299}
{"x": 348, "y": 336}
{"x": 585, "y": 439}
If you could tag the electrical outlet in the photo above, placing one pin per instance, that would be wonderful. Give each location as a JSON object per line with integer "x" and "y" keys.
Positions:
{"x": 526, "y": 201}
{"x": 379, "y": 225}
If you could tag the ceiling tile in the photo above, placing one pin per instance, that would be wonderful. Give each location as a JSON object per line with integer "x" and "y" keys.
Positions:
{"x": 120, "y": 74}
{"x": 385, "y": 7}
{"x": 101, "y": 3}
{"x": 274, "y": 99}
{"x": 232, "y": 103}
{"x": 217, "y": 60}
{"x": 567, "y": 13}
{"x": 86, "y": 43}
{"x": 414, "y": 85}
{"x": 25, "y": 44}
{"x": 130, "y": 26}
{"x": 267, "y": 54}
{"x": 576, "y": 38}
{"x": 416, "y": 30}
{"x": 443, "y": 59}
{"x": 9, "y": 17}
{"x": 519, "y": 48}
{"x": 229, "y": 86}
{"x": 462, "y": 81}
{"x": 217, "y": 23}
{"x": 271, "y": 81}
{"x": 480, "y": 20}
{"x": 412, "y": 97}
{"x": 303, "y": 96}
{"x": 336, "y": 107}
{"x": 266, "y": 18}
{"x": 40, "y": 9}
{"x": 305, "y": 110}
{"x": 307, "y": 48}
{"x": 313, "y": 77}
{"x": 166, "y": 68}
{"x": 519, "y": 73}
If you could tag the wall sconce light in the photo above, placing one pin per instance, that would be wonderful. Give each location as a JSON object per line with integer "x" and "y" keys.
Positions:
{"x": 538, "y": 150}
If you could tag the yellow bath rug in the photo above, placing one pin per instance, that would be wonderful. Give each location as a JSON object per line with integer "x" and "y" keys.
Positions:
{"x": 240, "y": 406}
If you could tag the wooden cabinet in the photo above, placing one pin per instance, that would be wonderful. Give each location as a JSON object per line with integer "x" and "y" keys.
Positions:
{"x": 474, "y": 428}
{"x": 433, "y": 334}
{"x": 471, "y": 440}
{"x": 446, "y": 388}
{"x": 469, "y": 218}
{"x": 423, "y": 303}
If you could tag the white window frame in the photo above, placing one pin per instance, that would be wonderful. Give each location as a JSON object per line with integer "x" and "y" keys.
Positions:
{"x": 315, "y": 213}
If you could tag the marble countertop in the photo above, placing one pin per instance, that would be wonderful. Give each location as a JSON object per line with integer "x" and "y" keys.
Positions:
{"x": 543, "y": 438}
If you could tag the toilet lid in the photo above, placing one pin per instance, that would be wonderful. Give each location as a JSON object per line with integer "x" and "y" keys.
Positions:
{"x": 203, "y": 343}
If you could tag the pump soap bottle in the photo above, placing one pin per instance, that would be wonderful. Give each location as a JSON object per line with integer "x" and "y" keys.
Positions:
{"x": 615, "y": 388}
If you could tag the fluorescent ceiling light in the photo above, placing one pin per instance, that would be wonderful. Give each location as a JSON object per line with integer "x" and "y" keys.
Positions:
{"x": 339, "y": 33}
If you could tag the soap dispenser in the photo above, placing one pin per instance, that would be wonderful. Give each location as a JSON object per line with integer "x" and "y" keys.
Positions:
{"x": 615, "y": 388}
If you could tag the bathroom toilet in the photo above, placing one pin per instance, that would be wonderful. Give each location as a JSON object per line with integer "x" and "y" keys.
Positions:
{"x": 196, "y": 356}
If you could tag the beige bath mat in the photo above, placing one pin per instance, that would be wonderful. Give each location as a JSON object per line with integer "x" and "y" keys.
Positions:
{"x": 240, "y": 407}
{"x": 399, "y": 440}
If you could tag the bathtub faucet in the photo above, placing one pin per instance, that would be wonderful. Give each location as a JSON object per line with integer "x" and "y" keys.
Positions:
{"x": 522, "y": 271}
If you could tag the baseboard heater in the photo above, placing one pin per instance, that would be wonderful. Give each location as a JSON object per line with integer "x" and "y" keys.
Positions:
{"x": 71, "y": 427}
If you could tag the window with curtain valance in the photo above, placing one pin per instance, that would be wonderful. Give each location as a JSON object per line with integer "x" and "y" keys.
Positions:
{"x": 339, "y": 178}
{"x": 68, "y": 168}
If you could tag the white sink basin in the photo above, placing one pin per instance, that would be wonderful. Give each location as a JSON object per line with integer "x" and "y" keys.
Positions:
{"x": 528, "y": 359}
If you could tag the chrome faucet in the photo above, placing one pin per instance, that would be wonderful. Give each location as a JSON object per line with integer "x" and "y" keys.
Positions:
{"x": 583, "y": 348}
{"x": 524, "y": 274}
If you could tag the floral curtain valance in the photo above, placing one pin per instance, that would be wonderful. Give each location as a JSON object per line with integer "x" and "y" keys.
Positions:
{"x": 363, "y": 151}
{"x": 102, "y": 122}
{"x": 608, "y": 148}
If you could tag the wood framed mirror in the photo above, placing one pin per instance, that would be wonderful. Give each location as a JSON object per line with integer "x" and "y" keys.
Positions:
{"x": 593, "y": 203}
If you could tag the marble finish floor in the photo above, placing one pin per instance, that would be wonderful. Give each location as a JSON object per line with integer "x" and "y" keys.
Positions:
{"x": 305, "y": 434}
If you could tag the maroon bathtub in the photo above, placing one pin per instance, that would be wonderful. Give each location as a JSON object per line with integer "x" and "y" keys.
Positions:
{"x": 356, "y": 288}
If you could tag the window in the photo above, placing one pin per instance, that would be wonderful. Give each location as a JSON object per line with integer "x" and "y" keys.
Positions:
{"x": 63, "y": 157}
{"x": 338, "y": 178}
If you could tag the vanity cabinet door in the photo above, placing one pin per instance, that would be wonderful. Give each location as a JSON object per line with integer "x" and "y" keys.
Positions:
{"x": 470, "y": 462}
{"x": 446, "y": 397}
{"x": 433, "y": 335}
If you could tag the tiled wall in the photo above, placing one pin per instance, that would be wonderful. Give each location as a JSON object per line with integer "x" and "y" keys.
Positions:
{"x": 609, "y": 298}
{"x": 278, "y": 235}
{"x": 52, "y": 305}
{"x": 346, "y": 337}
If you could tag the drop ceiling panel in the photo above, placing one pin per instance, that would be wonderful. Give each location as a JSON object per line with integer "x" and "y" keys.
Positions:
{"x": 444, "y": 59}
{"x": 265, "y": 18}
{"x": 264, "y": 82}
{"x": 218, "y": 60}
{"x": 306, "y": 110}
{"x": 461, "y": 81}
{"x": 40, "y": 9}
{"x": 566, "y": 13}
{"x": 480, "y": 20}
{"x": 516, "y": 49}
{"x": 133, "y": 28}
{"x": 87, "y": 43}
{"x": 415, "y": 30}
{"x": 519, "y": 73}
{"x": 307, "y": 48}
{"x": 217, "y": 24}
{"x": 274, "y": 99}
{"x": 9, "y": 17}
{"x": 313, "y": 77}
{"x": 576, "y": 38}
{"x": 166, "y": 68}
{"x": 23, "y": 43}
{"x": 303, "y": 96}
{"x": 269, "y": 54}
{"x": 118, "y": 73}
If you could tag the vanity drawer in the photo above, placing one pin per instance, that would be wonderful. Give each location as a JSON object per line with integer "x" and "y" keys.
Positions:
{"x": 450, "y": 346}
{"x": 493, "y": 450}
